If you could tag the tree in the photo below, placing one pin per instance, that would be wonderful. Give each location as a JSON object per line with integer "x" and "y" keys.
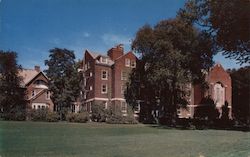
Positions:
{"x": 241, "y": 93}
{"x": 168, "y": 53}
{"x": 227, "y": 21}
{"x": 12, "y": 102}
{"x": 63, "y": 79}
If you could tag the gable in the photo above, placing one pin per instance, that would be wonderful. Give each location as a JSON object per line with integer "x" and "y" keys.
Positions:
{"x": 39, "y": 76}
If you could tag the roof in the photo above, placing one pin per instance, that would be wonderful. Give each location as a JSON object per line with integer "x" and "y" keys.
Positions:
{"x": 93, "y": 54}
{"x": 96, "y": 55}
{"x": 27, "y": 75}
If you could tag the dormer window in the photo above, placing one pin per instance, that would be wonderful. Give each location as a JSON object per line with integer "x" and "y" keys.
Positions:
{"x": 127, "y": 62}
{"x": 133, "y": 64}
{"x": 104, "y": 60}
{"x": 40, "y": 82}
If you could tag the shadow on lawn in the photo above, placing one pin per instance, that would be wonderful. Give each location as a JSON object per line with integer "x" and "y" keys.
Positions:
{"x": 190, "y": 125}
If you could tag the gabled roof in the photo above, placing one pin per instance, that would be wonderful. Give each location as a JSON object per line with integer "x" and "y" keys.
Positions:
{"x": 94, "y": 55}
{"x": 97, "y": 56}
{"x": 125, "y": 55}
{"x": 28, "y": 75}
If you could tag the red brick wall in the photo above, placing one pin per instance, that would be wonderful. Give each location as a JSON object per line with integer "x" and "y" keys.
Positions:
{"x": 115, "y": 53}
{"x": 218, "y": 74}
{"x": 197, "y": 94}
{"x": 98, "y": 81}
{"x": 41, "y": 98}
{"x": 118, "y": 67}
{"x": 89, "y": 80}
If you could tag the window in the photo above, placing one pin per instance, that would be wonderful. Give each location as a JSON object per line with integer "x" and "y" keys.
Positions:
{"x": 39, "y": 106}
{"x": 104, "y": 75}
{"x": 48, "y": 95}
{"x": 34, "y": 106}
{"x": 40, "y": 82}
{"x": 90, "y": 74}
{"x": 123, "y": 75}
{"x": 124, "y": 106}
{"x": 90, "y": 88}
{"x": 127, "y": 62}
{"x": 133, "y": 64}
{"x": 87, "y": 66}
{"x": 33, "y": 93}
{"x": 104, "y": 60}
{"x": 123, "y": 87}
{"x": 104, "y": 89}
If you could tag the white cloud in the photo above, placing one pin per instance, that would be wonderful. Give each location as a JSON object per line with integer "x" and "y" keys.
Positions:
{"x": 86, "y": 34}
{"x": 114, "y": 39}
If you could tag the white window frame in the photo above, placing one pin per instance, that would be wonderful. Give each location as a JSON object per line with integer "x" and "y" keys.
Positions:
{"x": 106, "y": 86}
{"x": 90, "y": 88}
{"x": 90, "y": 74}
{"x": 48, "y": 95}
{"x": 127, "y": 62}
{"x": 123, "y": 87}
{"x": 125, "y": 107}
{"x": 104, "y": 78}
{"x": 124, "y": 78}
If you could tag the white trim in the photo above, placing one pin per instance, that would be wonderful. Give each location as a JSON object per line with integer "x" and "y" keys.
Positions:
{"x": 96, "y": 98}
{"x": 121, "y": 99}
{"x": 106, "y": 99}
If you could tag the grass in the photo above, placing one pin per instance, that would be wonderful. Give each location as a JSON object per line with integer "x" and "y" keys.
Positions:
{"x": 41, "y": 139}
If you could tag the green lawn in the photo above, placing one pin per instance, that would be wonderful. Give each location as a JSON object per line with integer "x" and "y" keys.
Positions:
{"x": 103, "y": 140}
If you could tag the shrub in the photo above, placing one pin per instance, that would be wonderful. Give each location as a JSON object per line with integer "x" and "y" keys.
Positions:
{"x": 38, "y": 114}
{"x": 43, "y": 115}
{"x": 52, "y": 117}
{"x": 99, "y": 113}
{"x": 17, "y": 114}
{"x": 82, "y": 117}
{"x": 119, "y": 118}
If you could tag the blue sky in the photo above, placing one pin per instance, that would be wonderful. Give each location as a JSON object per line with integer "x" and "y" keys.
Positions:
{"x": 32, "y": 27}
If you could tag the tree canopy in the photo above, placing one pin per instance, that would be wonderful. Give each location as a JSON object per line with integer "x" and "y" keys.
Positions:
{"x": 172, "y": 55}
{"x": 227, "y": 21}
{"x": 63, "y": 79}
{"x": 241, "y": 93}
{"x": 12, "y": 101}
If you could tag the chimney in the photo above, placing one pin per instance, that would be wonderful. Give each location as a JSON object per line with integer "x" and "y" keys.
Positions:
{"x": 37, "y": 68}
{"x": 116, "y": 52}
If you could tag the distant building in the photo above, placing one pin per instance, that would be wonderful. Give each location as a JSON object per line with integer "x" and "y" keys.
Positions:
{"x": 105, "y": 78}
{"x": 35, "y": 84}
{"x": 219, "y": 90}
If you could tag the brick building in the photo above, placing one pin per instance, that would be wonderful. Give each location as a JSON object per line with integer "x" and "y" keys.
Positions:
{"x": 219, "y": 90}
{"x": 105, "y": 78}
{"x": 35, "y": 84}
